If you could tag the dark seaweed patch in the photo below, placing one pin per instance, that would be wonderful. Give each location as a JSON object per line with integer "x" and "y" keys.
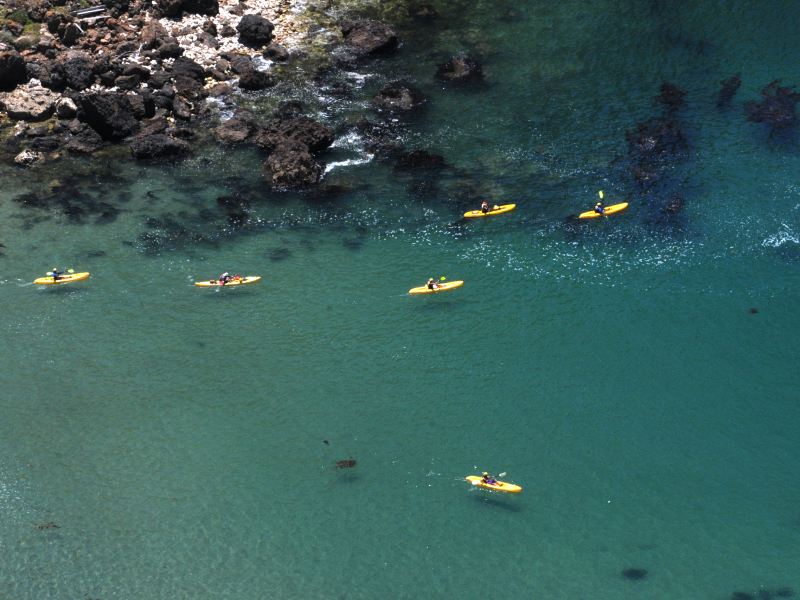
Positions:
{"x": 634, "y": 574}
{"x": 278, "y": 254}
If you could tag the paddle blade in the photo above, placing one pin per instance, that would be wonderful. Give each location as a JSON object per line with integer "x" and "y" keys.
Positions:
{"x": 600, "y": 193}
{"x": 442, "y": 278}
{"x": 503, "y": 474}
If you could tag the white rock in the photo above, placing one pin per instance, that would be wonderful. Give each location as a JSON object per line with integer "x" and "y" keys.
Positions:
{"x": 26, "y": 158}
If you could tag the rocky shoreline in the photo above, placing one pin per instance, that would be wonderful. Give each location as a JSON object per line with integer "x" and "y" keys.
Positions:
{"x": 168, "y": 76}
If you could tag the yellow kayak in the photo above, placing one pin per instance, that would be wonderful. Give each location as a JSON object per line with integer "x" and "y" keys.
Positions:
{"x": 440, "y": 287}
{"x": 496, "y": 210}
{"x": 500, "y": 486}
{"x": 610, "y": 210}
{"x": 232, "y": 282}
{"x": 66, "y": 278}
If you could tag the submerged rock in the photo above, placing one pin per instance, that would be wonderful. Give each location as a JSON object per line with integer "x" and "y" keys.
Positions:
{"x": 634, "y": 574}
{"x": 460, "y": 69}
{"x": 777, "y": 107}
{"x": 398, "y": 96}
{"x": 291, "y": 166}
{"x": 728, "y": 90}
{"x": 366, "y": 38}
{"x": 671, "y": 96}
{"x": 158, "y": 145}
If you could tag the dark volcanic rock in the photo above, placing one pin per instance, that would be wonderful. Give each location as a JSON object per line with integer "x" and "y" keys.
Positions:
{"x": 234, "y": 131}
{"x": 255, "y": 30}
{"x": 158, "y": 145}
{"x": 255, "y": 80}
{"x": 276, "y": 52}
{"x": 460, "y": 69}
{"x": 728, "y": 90}
{"x": 71, "y": 34}
{"x": 777, "y": 108}
{"x": 186, "y": 67}
{"x": 202, "y": 7}
{"x": 84, "y": 140}
{"x": 111, "y": 115}
{"x": 50, "y": 73}
{"x": 78, "y": 71}
{"x": 366, "y": 38}
{"x": 314, "y": 135}
{"x": 12, "y": 70}
{"x": 291, "y": 166}
{"x": 398, "y": 96}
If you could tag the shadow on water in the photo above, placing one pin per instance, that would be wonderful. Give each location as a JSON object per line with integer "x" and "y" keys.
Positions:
{"x": 240, "y": 291}
{"x": 488, "y": 498}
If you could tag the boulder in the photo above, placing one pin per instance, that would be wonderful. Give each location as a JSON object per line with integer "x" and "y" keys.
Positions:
{"x": 366, "y": 38}
{"x": 158, "y": 145}
{"x": 84, "y": 140}
{"x": 201, "y": 7}
{"x": 26, "y": 158}
{"x": 110, "y": 114}
{"x": 276, "y": 52}
{"x": 255, "y": 80}
{"x": 31, "y": 102}
{"x": 66, "y": 108}
{"x": 153, "y": 35}
{"x": 168, "y": 8}
{"x": 460, "y": 69}
{"x": 255, "y": 30}
{"x": 291, "y": 166}
{"x": 234, "y": 131}
{"x": 78, "y": 71}
{"x": 314, "y": 135}
{"x": 71, "y": 34}
{"x": 50, "y": 73}
{"x": 12, "y": 70}
{"x": 398, "y": 96}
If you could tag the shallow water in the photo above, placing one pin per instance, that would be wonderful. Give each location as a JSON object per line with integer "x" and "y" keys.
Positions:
{"x": 176, "y": 436}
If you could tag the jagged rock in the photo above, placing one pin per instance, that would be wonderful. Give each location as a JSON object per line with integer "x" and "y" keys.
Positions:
{"x": 181, "y": 108}
{"x": 255, "y": 30}
{"x": 127, "y": 82}
{"x": 153, "y": 35}
{"x": 31, "y": 102}
{"x": 460, "y": 69}
{"x": 50, "y": 73}
{"x": 398, "y": 96}
{"x": 66, "y": 108}
{"x": 111, "y": 115}
{"x": 12, "y": 70}
{"x": 169, "y": 8}
{"x": 71, "y": 34}
{"x": 366, "y": 38}
{"x": 728, "y": 90}
{"x": 158, "y": 145}
{"x": 170, "y": 50}
{"x": 201, "y": 7}
{"x": 314, "y": 135}
{"x": 276, "y": 52}
{"x": 78, "y": 71}
{"x": 186, "y": 67}
{"x": 26, "y": 158}
{"x": 234, "y": 131}
{"x": 255, "y": 80}
{"x": 291, "y": 166}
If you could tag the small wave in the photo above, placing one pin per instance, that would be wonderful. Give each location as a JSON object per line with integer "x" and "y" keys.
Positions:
{"x": 776, "y": 240}
{"x": 347, "y": 163}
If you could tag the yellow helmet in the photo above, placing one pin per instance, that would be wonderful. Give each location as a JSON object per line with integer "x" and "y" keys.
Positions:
{"x": 485, "y": 473}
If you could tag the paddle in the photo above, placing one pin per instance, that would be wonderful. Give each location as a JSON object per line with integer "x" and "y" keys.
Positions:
{"x": 70, "y": 271}
{"x": 600, "y": 193}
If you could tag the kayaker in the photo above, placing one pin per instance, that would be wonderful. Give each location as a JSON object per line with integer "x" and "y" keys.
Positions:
{"x": 56, "y": 274}
{"x": 485, "y": 207}
{"x": 599, "y": 208}
{"x": 224, "y": 278}
{"x": 432, "y": 285}
{"x": 488, "y": 479}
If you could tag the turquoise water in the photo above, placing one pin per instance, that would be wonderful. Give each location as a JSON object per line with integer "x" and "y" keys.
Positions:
{"x": 176, "y": 436}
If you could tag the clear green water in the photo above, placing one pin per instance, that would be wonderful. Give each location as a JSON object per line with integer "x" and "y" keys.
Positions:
{"x": 175, "y": 435}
